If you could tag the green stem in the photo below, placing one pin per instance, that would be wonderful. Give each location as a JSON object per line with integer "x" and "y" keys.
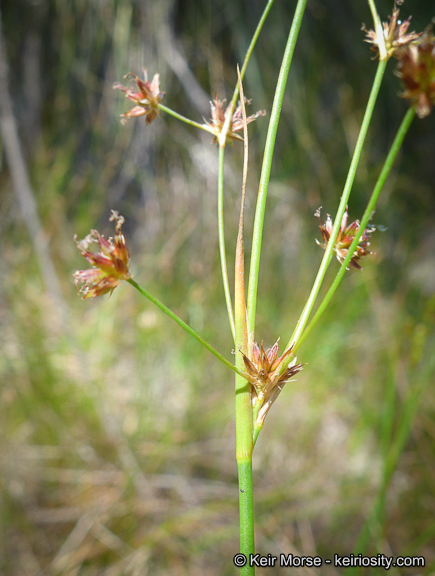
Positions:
{"x": 221, "y": 232}
{"x": 386, "y": 169}
{"x": 183, "y": 118}
{"x": 303, "y": 319}
{"x": 185, "y": 327}
{"x": 252, "y": 45}
{"x": 267, "y": 164}
{"x": 246, "y": 510}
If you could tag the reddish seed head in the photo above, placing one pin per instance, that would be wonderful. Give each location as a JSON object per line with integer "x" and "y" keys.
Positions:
{"x": 147, "y": 97}
{"x": 218, "y": 117}
{"x": 345, "y": 237}
{"x": 267, "y": 373}
{"x": 395, "y": 34}
{"x": 416, "y": 69}
{"x": 110, "y": 265}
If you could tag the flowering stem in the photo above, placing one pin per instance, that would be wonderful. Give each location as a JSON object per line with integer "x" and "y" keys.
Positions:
{"x": 267, "y": 164}
{"x": 185, "y": 327}
{"x": 221, "y": 231}
{"x": 303, "y": 319}
{"x": 183, "y": 118}
{"x": 386, "y": 169}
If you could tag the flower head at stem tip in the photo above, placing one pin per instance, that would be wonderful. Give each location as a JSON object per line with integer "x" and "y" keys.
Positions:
{"x": 219, "y": 116}
{"x": 416, "y": 69}
{"x": 344, "y": 239}
{"x": 390, "y": 36}
{"x": 147, "y": 98}
{"x": 110, "y": 266}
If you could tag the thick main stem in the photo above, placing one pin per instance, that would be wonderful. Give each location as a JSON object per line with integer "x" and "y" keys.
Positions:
{"x": 246, "y": 508}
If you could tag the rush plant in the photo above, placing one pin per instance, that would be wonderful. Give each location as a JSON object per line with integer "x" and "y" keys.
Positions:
{"x": 260, "y": 372}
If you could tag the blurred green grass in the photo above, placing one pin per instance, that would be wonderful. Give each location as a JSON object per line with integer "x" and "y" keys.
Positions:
{"x": 117, "y": 435}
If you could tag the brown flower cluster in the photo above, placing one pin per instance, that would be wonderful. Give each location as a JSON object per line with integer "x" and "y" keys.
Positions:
{"x": 110, "y": 266}
{"x": 416, "y": 68}
{"x": 345, "y": 237}
{"x": 218, "y": 117}
{"x": 147, "y": 97}
{"x": 395, "y": 34}
{"x": 267, "y": 372}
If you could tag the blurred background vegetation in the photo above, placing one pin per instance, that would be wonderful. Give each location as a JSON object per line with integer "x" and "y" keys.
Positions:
{"x": 117, "y": 431}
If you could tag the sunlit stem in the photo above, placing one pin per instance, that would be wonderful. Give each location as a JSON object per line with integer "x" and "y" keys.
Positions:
{"x": 386, "y": 169}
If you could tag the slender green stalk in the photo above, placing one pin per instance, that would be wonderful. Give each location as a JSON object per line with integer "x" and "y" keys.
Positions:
{"x": 267, "y": 164}
{"x": 185, "y": 327}
{"x": 221, "y": 233}
{"x": 303, "y": 319}
{"x": 183, "y": 118}
{"x": 386, "y": 169}
{"x": 252, "y": 44}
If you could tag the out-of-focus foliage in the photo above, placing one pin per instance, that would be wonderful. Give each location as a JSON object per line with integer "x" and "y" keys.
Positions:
{"x": 116, "y": 442}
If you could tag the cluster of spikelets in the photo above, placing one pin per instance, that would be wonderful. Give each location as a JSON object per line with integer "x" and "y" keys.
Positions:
{"x": 268, "y": 373}
{"x": 415, "y": 53}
